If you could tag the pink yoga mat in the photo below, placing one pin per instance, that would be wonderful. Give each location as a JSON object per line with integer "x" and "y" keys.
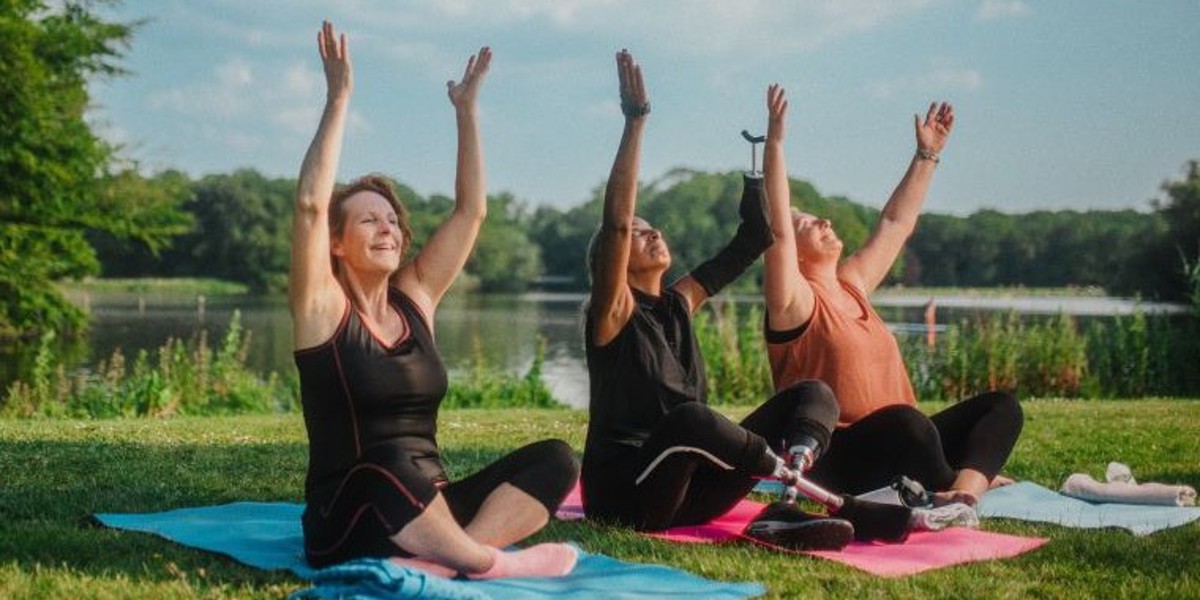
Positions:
{"x": 921, "y": 552}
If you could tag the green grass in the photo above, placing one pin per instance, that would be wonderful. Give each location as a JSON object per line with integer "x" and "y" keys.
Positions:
{"x": 53, "y": 473}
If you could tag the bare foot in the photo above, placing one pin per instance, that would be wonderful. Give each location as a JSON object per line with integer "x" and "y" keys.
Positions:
{"x": 1000, "y": 480}
{"x": 953, "y": 496}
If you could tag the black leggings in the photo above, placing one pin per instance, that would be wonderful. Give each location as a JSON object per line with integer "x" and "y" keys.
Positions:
{"x": 977, "y": 433}
{"x": 374, "y": 503}
{"x": 697, "y": 464}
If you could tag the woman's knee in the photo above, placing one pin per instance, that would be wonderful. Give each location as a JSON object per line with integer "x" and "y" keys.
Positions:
{"x": 555, "y": 466}
{"x": 687, "y": 418}
{"x": 817, "y": 401}
{"x": 1003, "y": 410}
{"x": 908, "y": 423}
{"x": 1007, "y": 404}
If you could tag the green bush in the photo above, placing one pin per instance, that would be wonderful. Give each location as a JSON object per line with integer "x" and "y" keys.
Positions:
{"x": 735, "y": 359}
{"x": 487, "y": 387}
{"x": 178, "y": 378}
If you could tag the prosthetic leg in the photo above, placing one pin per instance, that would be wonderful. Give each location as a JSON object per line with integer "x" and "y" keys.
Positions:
{"x": 884, "y": 521}
{"x": 871, "y": 520}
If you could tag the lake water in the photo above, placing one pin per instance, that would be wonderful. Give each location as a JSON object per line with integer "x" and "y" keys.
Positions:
{"x": 502, "y": 330}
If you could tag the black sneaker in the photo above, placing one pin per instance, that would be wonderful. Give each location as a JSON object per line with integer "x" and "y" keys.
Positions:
{"x": 785, "y": 525}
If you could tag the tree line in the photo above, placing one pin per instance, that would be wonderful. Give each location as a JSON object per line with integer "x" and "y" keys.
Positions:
{"x": 70, "y": 208}
{"x": 240, "y": 227}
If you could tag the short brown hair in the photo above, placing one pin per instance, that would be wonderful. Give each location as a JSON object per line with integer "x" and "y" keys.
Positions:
{"x": 370, "y": 183}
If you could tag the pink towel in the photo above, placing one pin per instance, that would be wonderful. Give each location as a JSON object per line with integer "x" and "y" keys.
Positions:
{"x": 922, "y": 551}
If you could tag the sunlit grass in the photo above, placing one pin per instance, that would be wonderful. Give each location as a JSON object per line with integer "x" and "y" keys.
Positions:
{"x": 56, "y": 472}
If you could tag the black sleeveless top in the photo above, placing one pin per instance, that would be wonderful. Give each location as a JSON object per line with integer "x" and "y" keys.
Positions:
{"x": 358, "y": 392}
{"x": 653, "y": 365}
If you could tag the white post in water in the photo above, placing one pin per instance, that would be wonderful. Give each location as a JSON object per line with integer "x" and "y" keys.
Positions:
{"x": 200, "y": 300}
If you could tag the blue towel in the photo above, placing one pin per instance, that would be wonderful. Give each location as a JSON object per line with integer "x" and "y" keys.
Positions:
{"x": 1029, "y": 501}
{"x": 268, "y": 536}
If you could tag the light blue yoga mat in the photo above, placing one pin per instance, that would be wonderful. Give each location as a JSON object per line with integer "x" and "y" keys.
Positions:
{"x": 1028, "y": 501}
{"x": 268, "y": 536}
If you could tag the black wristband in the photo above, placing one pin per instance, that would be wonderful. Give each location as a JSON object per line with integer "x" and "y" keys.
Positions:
{"x": 633, "y": 111}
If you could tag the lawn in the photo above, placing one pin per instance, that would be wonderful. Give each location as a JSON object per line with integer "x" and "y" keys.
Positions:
{"x": 55, "y": 473}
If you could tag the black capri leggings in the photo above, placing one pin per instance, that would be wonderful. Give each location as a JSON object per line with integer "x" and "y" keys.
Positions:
{"x": 375, "y": 502}
{"x": 977, "y": 433}
{"x": 697, "y": 464}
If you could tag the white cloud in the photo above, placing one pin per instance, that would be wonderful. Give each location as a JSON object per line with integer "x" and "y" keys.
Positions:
{"x": 303, "y": 80}
{"x": 235, "y": 100}
{"x": 954, "y": 80}
{"x": 688, "y": 27}
{"x": 561, "y": 12}
{"x": 235, "y": 74}
{"x": 944, "y": 79}
{"x": 223, "y": 97}
{"x": 991, "y": 10}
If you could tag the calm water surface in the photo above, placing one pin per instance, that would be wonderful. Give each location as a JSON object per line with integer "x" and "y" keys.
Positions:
{"x": 501, "y": 330}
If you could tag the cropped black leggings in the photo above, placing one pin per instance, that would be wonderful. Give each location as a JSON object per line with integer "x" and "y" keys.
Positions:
{"x": 697, "y": 464}
{"x": 384, "y": 493}
{"x": 977, "y": 433}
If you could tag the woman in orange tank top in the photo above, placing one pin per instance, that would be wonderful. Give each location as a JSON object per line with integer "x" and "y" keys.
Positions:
{"x": 820, "y": 324}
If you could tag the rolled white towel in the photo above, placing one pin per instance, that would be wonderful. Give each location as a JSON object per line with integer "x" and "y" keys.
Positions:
{"x": 1124, "y": 489}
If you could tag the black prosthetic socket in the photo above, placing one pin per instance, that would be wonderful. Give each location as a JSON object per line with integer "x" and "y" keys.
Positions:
{"x": 753, "y": 237}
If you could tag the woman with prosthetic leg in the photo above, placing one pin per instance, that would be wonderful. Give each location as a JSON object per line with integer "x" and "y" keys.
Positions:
{"x": 656, "y": 455}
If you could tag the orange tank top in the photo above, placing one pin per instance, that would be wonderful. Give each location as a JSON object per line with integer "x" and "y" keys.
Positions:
{"x": 856, "y": 354}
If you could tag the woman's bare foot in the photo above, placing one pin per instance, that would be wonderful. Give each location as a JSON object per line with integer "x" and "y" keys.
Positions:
{"x": 999, "y": 481}
{"x": 953, "y": 496}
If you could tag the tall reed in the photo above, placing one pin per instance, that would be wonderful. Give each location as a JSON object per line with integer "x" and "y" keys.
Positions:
{"x": 485, "y": 386}
{"x": 1131, "y": 356}
{"x": 178, "y": 378}
{"x": 735, "y": 361}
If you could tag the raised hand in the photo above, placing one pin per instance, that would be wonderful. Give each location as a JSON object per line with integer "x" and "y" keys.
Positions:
{"x": 335, "y": 57}
{"x": 465, "y": 91}
{"x": 935, "y": 129}
{"x": 635, "y": 103}
{"x": 777, "y": 106}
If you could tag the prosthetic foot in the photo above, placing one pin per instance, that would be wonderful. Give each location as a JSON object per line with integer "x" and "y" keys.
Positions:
{"x": 754, "y": 140}
{"x": 870, "y": 520}
{"x": 784, "y": 524}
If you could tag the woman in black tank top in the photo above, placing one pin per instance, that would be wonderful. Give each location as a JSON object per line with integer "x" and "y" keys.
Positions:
{"x": 371, "y": 377}
{"x": 657, "y": 456}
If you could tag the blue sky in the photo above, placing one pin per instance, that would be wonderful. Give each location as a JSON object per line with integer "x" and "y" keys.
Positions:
{"x": 1067, "y": 104}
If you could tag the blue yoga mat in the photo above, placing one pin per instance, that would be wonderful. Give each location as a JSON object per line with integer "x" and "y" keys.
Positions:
{"x": 1028, "y": 501}
{"x": 268, "y": 536}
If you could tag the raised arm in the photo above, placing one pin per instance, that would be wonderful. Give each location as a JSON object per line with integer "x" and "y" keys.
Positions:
{"x": 867, "y": 267}
{"x": 315, "y": 299}
{"x": 788, "y": 295}
{"x": 430, "y": 274}
{"x": 611, "y": 301}
{"x": 753, "y": 236}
